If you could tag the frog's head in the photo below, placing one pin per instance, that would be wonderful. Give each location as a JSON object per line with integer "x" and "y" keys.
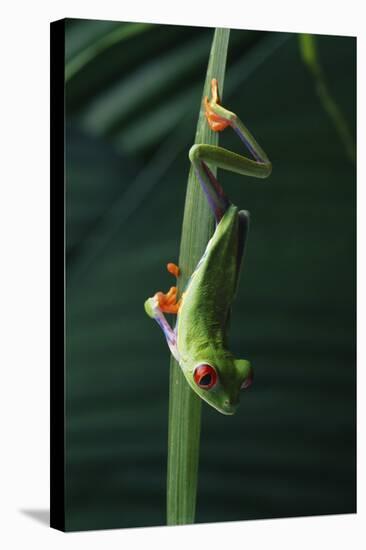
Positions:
{"x": 220, "y": 384}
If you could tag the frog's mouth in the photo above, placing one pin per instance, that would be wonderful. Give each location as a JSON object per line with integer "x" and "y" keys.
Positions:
{"x": 228, "y": 408}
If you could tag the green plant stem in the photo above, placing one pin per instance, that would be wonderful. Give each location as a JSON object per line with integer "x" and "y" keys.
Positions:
{"x": 184, "y": 404}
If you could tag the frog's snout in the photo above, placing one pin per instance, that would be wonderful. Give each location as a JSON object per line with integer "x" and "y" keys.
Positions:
{"x": 229, "y": 407}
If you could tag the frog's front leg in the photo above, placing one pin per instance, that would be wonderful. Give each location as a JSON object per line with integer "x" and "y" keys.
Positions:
{"x": 162, "y": 303}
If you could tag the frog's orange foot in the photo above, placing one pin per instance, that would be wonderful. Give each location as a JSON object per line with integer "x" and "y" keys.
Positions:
{"x": 216, "y": 122}
{"x": 168, "y": 301}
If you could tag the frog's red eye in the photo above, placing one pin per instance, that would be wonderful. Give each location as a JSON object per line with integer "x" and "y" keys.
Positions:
{"x": 205, "y": 376}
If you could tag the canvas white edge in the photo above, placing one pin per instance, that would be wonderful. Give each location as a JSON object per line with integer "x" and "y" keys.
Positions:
{"x": 24, "y": 272}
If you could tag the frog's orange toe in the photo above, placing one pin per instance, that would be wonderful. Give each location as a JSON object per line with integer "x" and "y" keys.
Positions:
{"x": 215, "y": 91}
{"x": 168, "y": 302}
{"x": 173, "y": 269}
{"x": 172, "y": 308}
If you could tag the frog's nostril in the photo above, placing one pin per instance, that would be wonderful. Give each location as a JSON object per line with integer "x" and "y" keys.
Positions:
{"x": 230, "y": 404}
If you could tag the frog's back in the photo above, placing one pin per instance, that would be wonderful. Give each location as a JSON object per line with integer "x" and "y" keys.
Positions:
{"x": 209, "y": 292}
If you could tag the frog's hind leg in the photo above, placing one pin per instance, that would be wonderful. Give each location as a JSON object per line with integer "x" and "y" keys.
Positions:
{"x": 201, "y": 155}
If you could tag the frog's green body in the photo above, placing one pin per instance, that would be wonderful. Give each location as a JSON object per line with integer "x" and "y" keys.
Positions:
{"x": 199, "y": 340}
{"x": 202, "y": 320}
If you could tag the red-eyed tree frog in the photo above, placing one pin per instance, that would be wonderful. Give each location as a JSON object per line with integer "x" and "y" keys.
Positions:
{"x": 199, "y": 340}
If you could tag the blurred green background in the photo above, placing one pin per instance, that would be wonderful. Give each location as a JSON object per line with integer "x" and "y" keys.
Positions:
{"x": 132, "y": 99}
